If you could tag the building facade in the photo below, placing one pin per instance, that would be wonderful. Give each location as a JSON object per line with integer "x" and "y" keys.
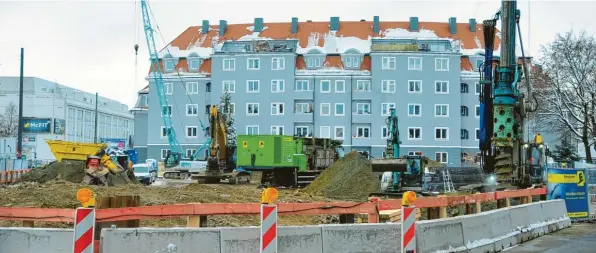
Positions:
{"x": 53, "y": 111}
{"x": 325, "y": 79}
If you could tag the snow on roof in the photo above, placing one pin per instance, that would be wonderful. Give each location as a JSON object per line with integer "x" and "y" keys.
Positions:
{"x": 401, "y": 33}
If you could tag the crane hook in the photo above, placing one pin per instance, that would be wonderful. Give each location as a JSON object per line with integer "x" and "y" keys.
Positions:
{"x": 136, "y": 49}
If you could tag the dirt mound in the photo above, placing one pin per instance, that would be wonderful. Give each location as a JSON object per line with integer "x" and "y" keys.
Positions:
{"x": 350, "y": 178}
{"x": 68, "y": 171}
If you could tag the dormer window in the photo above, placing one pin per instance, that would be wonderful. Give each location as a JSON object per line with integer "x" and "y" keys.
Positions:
{"x": 194, "y": 62}
{"x": 352, "y": 59}
{"x": 169, "y": 66}
{"x": 314, "y": 59}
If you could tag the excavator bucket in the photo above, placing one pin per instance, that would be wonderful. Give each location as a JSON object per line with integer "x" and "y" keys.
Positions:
{"x": 392, "y": 165}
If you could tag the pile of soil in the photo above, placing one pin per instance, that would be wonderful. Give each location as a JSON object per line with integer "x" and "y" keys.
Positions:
{"x": 350, "y": 178}
{"x": 70, "y": 171}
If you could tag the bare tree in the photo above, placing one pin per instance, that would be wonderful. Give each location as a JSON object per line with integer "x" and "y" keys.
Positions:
{"x": 9, "y": 121}
{"x": 567, "y": 86}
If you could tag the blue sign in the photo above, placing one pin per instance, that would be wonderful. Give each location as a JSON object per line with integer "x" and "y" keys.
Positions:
{"x": 572, "y": 186}
{"x": 36, "y": 125}
{"x": 59, "y": 126}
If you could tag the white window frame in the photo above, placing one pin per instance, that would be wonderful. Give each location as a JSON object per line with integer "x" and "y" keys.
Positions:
{"x": 192, "y": 88}
{"x": 192, "y": 152}
{"x": 446, "y": 85}
{"x": 296, "y": 85}
{"x": 363, "y": 111}
{"x": 232, "y": 108}
{"x": 192, "y": 105}
{"x": 162, "y": 131}
{"x": 419, "y": 133}
{"x": 419, "y": 82}
{"x": 343, "y": 109}
{"x": 231, "y": 84}
{"x": 477, "y": 133}
{"x": 276, "y": 84}
{"x": 162, "y": 111}
{"x": 253, "y": 114}
{"x": 314, "y": 61}
{"x": 252, "y": 126}
{"x": 190, "y": 136}
{"x": 388, "y": 63}
{"x": 252, "y": 60}
{"x": 168, "y": 88}
{"x": 323, "y": 129}
{"x": 164, "y": 153}
{"x": 280, "y": 109}
{"x": 476, "y": 111}
{"x": 342, "y": 84}
{"x": 438, "y": 61}
{"x": 343, "y": 131}
{"x": 446, "y": 108}
{"x": 386, "y": 86}
{"x": 321, "y": 84}
{"x": 441, "y": 154}
{"x": 277, "y": 129}
{"x": 389, "y": 106}
{"x": 361, "y": 84}
{"x": 384, "y": 132}
{"x": 412, "y": 63}
{"x": 446, "y": 133}
{"x": 419, "y": 110}
{"x": 362, "y": 137}
{"x": 301, "y": 127}
{"x": 258, "y": 83}
{"x": 297, "y": 105}
{"x": 477, "y": 88}
{"x": 231, "y": 64}
{"x": 322, "y": 106}
{"x": 169, "y": 65}
{"x": 278, "y": 63}
{"x": 197, "y": 61}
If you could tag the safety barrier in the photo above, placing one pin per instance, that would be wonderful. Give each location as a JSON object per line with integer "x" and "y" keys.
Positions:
{"x": 12, "y": 176}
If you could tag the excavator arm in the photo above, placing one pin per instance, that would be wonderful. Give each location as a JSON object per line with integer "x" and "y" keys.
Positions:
{"x": 218, "y": 155}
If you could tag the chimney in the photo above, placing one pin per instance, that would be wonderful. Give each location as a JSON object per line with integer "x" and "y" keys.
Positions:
{"x": 222, "y": 27}
{"x": 334, "y": 24}
{"x": 376, "y": 24}
{"x": 294, "y": 25}
{"x": 258, "y": 25}
{"x": 413, "y": 23}
{"x": 472, "y": 25}
{"x": 205, "y": 28}
{"x": 453, "y": 25}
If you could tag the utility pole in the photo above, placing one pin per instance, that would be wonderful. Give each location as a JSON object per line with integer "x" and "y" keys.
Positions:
{"x": 20, "y": 130}
{"x": 96, "y": 103}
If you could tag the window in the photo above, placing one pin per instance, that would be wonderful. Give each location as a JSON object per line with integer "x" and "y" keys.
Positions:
{"x": 414, "y": 86}
{"x": 232, "y": 108}
{"x": 325, "y": 109}
{"x": 352, "y": 61}
{"x": 164, "y": 153}
{"x": 414, "y": 133}
{"x": 339, "y": 109}
{"x": 464, "y": 87}
{"x": 388, "y": 86}
{"x": 479, "y": 63}
{"x": 441, "y": 157}
{"x": 277, "y": 130}
{"x": 415, "y": 153}
{"x": 363, "y": 85}
{"x": 190, "y": 152}
{"x": 301, "y": 131}
{"x": 441, "y": 87}
{"x": 278, "y": 86}
{"x": 477, "y": 108}
{"x": 441, "y": 133}
{"x": 229, "y": 85}
{"x": 477, "y": 88}
{"x": 192, "y": 109}
{"x": 464, "y": 134}
{"x": 192, "y": 88}
{"x": 302, "y": 85}
{"x": 314, "y": 61}
{"x": 340, "y": 86}
{"x": 414, "y": 63}
{"x": 229, "y": 64}
{"x": 339, "y": 132}
{"x": 191, "y": 132}
{"x": 169, "y": 88}
{"x": 194, "y": 64}
{"x": 325, "y": 86}
{"x": 414, "y": 110}
{"x": 277, "y": 108}
{"x": 384, "y": 132}
{"x": 252, "y": 130}
{"x": 442, "y": 64}
{"x": 464, "y": 110}
{"x": 441, "y": 110}
{"x": 252, "y": 86}
{"x": 164, "y": 131}
{"x": 325, "y": 132}
{"x": 253, "y": 63}
{"x": 477, "y": 134}
{"x": 208, "y": 87}
{"x": 363, "y": 108}
{"x": 169, "y": 65}
{"x": 278, "y": 63}
{"x": 363, "y": 132}
{"x": 302, "y": 108}
{"x": 386, "y": 107}
{"x": 388, "y": 62}
{"x": 252, "y": 109}
{"x": 166, "y": 110}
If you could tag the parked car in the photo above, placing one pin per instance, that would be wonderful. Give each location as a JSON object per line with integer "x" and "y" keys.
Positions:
{"x": 145, "y": 173}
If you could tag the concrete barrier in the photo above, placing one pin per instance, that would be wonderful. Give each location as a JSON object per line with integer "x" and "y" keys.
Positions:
{"x": 555, "y": 214}
{"x": 440, "y": 235}
{"x": 183, "y": 240}
{"x": 354, "y": 238}
{"x": 35, "y": 240}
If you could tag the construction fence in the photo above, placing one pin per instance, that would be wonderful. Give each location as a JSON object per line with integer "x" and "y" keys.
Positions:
{"x": 7, "y": 164}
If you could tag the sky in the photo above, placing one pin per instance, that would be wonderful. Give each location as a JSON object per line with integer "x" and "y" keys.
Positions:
{"x": 89, "y": 45}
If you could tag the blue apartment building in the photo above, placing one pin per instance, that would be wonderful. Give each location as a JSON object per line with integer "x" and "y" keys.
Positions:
{"x": 335, "y": 79}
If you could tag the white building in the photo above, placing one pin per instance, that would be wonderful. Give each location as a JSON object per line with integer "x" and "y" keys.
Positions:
{"x": 57, "y": 112}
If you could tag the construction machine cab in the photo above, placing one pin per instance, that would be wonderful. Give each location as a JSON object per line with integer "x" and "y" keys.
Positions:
{"x": 172, "y": 159}
{"x": 401, "y": 174}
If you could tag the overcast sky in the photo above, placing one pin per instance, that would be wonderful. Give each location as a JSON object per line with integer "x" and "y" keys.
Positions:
{"x": 89, "y": 44}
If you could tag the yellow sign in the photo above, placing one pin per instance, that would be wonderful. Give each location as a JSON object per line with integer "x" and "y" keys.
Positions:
{"x": 269, "y": 196}
{"x": 261, "y": 144}
{"x": 86, "y": 197}
{"x": 408, "y": 198}
{"x": 579, "y": 178}
{"x": 245, "y": 144}
{"x": 288, "y": 139}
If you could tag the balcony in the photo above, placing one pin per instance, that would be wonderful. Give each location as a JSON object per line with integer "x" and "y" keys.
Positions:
{"x": 361, "y": 141}
{"x": 303, "y": 117}
{"x": 363, "y": 95}
{"x": 361, "y": 118}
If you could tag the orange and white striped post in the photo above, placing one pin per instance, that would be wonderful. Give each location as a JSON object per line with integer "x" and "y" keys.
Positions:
{"x": 84, "y": 227}
{"x": 408, "y": 223}
{"x": 268, "y": 221}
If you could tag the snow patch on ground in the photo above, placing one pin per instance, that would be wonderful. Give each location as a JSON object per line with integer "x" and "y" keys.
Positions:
{"x": 405, "y": 34}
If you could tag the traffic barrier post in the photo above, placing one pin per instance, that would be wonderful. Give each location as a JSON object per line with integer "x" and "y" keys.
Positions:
{"x": 408, "y": 223}
{"x": 268, "y": 236}
{"x": 84, "y": 226}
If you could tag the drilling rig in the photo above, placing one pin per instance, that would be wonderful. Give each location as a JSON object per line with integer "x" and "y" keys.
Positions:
{"x": 503, "y": 108}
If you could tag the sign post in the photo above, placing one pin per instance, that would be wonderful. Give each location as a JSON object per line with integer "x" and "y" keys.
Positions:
{"x": 408, "y": 223}
{"x": 84, "y": 227}
{"x": 268, "y": 240}
{"x": 570, "y": 185}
